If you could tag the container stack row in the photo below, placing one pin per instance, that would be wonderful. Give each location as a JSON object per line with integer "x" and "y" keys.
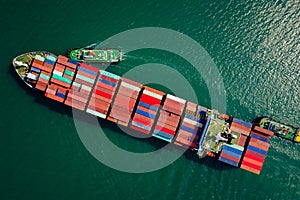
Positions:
{"x": 147, "y": 110}
{"x": 191, "y": 126}
{"x": 256, "y": 150}
{"x": 231, "y": 154}
{"x": 103, "y": 94}
{"x": 124, "y": 102}
{"x": 242, "y": 128}
{"x": 82, "y": 86}
{"x": 61, "y": 79}
{"x": 169, "y": 118}
{"x": 42, "y": 68}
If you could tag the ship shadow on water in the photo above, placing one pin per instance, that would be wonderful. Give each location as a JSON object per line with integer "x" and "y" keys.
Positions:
{"x": 112, "y": 127}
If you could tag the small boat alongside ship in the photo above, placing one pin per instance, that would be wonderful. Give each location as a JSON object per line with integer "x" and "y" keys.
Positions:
{"x": 150, "y": 111}
{"x": 105, "y": 55}
{"x": 280, "y": 129}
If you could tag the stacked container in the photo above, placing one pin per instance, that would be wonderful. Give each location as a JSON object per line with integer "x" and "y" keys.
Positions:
{"x": 241, "y": 127}
{"x": 42, "y": 68}
{"x": 257, "y": 150}
{"x": 169, "y": 118}
{"x": 103, "y": 94}
{"x": 191, "y": 126}
{"x": 231, "y": 154}
{"x": 124, "y": 102}
{"x": 146, "y": 110}
{"x": 82, "y": 86}
{"x": 59, "y": 82}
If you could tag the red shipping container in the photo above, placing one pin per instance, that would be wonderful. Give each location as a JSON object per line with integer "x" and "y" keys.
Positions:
{"x": 139, "y": 129}
{"x": 82, "y": 82}
{"x": 141, "y": 121}
{"x": 64, "y": 62}
{"x": 48, "y": 65}
{"x": 152, "y": 112}
{"x": 82, "y": 73}
{"x": 172, "y": 109}
{"x": 56, "y": 98}
{"x": 59, "y": 67}
{"x": 259, "y": 146}
{"x": 103, "y": 85}
{"x": 245, "y": 128}
{"x": 111, "y": 92}
{"x": 120, "y": 116}
{"x": 74, "y": 103}
{"x": 101, "y": 98}
{"x": 154, "y": 90}
{"x": 251, "y": 165}
{"x": 102, "y": 76}
{"x": 165, "y": 130}
{"x": 128, "y": 92}
{"x": 238, "y": 130}
{"x": 103, "y": 94}
{"x": 260, "y": 142}
{"x": 68, "y": 77}
{"x": 131, "y": 82}
{"x": 166, "y": 125}
{"x": 260, "y": 135}
{"x": 223, "y": 155}
{"x": 250, "y": 169}
{"x": 149, "y": 100}
{"x": 256, "y": 154}
{"x": 242, "y": 140}
{"x": 254, "y": 157}
{"x": 36, "y": 61}
{"x": 70, "y": 69}
{"x": 264, "y": 131}
{"x": 89, "y": 67}
{"x": 78, "y": 98}
{"x": 60, "y": 83}
{"x": 122, "y": 109}
{"x": 189, "y": 125}
{"x": 255, "y": 162}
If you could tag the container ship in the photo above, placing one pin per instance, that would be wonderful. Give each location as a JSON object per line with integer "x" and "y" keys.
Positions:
{"x": 95, "y": 55}
{"x": 146, "y": 110}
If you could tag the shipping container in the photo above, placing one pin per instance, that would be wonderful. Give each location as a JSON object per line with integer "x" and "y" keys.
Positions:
{"x": 229, "y": 157}
{"x": 247, "y": 124}
{"x": 250, "y": 169}
{"x": 230, "y": 162}
{"x": 259, "y": 136}
{"x": 264, "y": 131}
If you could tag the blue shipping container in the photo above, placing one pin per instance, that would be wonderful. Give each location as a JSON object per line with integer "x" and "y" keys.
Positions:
{"x": 73, "y": 62}
{"x": 247, "y": 124}
{"x": 228, "y": 148}
{"x": 145, "y": 114}
{"x": 107, "y": 82}
{"x": 87, "y": 71}
{"x": 148, "y": 106}
{"x": 259, "y": 138}
{"x": 257, "y": 150}
{"x": 49, "y": 62}
{"x": 230, "y": 153}
{"x": 60, "y": 95}
{"x": 35, "y": 69}
{"x": 230, "y": 162}
{"x": 141, "y": 126}
{"x": 194, "y": 131}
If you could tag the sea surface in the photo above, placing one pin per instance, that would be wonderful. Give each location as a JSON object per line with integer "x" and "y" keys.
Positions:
{"x": 254, "y": 44}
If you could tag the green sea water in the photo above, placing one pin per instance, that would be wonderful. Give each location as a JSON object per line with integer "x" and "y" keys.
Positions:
{"x": 255, "y": 45}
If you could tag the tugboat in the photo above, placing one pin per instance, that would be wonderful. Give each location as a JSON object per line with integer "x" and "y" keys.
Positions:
{"x": 280, "y": 129}
{"x": 95, "y": 55}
